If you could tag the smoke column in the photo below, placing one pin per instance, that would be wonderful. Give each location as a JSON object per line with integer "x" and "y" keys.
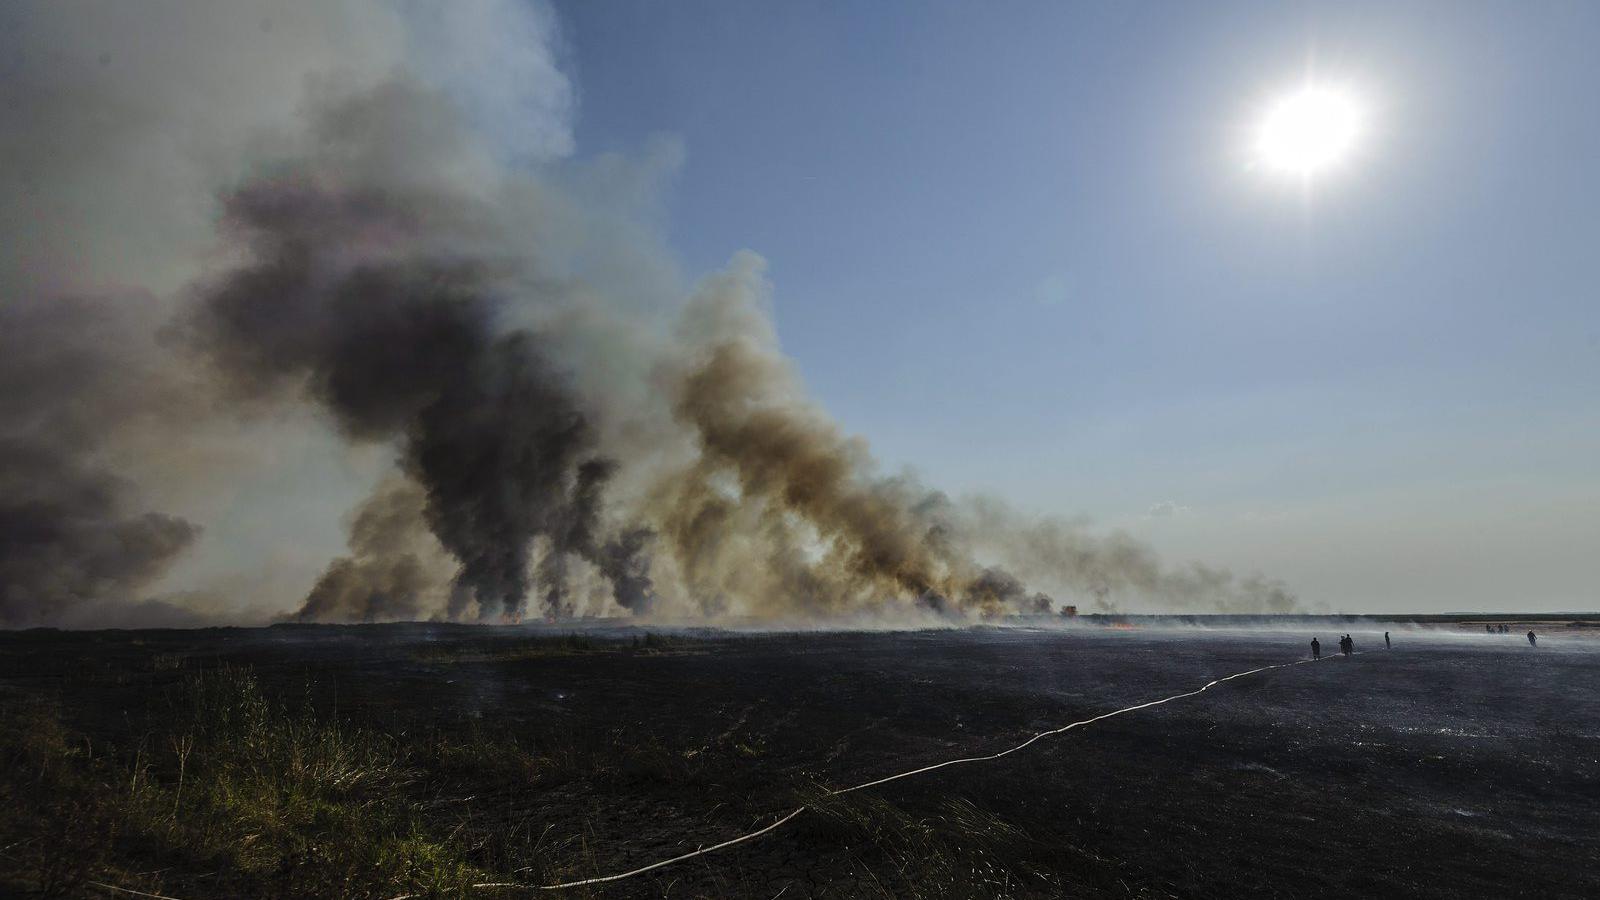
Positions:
{"x": 362, "y": 292}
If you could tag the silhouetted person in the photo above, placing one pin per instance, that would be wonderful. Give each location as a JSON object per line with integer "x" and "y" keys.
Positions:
{"x": 1316, "y": 649}
{"x": 1386, "y": 644}
{"x": 1346, "y": 645}
{"x": 1532, "y": 641}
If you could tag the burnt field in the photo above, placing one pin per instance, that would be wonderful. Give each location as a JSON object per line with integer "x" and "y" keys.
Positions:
{"x": 377, "y": 761}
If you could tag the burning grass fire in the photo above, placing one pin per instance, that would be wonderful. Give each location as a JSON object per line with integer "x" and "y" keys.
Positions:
{"x": 401, "y": 497}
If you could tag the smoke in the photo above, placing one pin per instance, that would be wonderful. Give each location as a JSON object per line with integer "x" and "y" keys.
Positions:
{"x": 1068, "y": 558}
{"x": 776, "y": 487}
{"x": 67, "y": 537}
{"x": 393, "y": 568}
{"x": 364, "y": 291}
{"x": 120, "y": 122}
{"x": 781, "y": 455}
{"x": 71, "y": 534}
{"x": 554, "y": 424}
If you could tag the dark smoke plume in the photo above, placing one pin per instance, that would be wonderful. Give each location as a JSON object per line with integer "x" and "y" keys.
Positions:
{"x": 407, "y": 349}
{"x": 625, "y": 561}
{"x": 67, "y": 539}
{"x": 69, "y": 534}
{"x": 352, "y": 296}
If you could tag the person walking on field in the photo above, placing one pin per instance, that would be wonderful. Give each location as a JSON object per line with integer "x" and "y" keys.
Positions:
{"x": 1386, "y": 644}
{"x": 1532, "y": 641}
{"x": 1316, "y": 649}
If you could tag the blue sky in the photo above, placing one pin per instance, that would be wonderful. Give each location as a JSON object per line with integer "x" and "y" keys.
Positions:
{"x": 1020, "y": 248}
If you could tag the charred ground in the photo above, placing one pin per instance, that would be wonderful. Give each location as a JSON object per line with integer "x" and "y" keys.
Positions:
{"x": 379, "y": 760}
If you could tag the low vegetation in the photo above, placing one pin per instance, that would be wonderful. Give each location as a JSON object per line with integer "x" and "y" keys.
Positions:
{"x": 223, "y": 790}
{"x": 262, "y": 800}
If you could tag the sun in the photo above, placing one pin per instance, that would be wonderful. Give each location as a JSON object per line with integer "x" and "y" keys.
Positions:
{"x": 1309, "y": 131}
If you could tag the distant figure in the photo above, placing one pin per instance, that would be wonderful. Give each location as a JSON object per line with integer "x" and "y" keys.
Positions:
{"x": 1386, "y": 644}
{"x": 1346, "y": 645}
{"x": 1488, "y": 629}
{"x": 1532, "y": 641}
{"x": 1316, "y": 649}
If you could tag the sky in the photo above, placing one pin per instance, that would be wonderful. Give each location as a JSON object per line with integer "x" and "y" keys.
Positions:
{"x": 1023, "y": 250}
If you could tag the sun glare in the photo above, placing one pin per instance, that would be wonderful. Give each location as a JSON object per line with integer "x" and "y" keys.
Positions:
{"x": 1309, "y": 131}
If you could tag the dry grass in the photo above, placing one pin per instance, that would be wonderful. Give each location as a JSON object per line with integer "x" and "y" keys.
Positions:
{"x": 264, "y": 801}
{"x": 224, "y": 790}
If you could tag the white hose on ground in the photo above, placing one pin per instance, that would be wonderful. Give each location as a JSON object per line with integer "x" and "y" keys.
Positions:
{"x": 123, "y": 890}
{"x": 749, "y": 836}
{"x": 602, "y": 879}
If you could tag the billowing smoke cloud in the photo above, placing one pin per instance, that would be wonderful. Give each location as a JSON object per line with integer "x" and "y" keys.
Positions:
{"x": 67, "y": 537}
{"x": 391, "y": 572}
{"x": 564, "y": 434}
{"x": 71, "y": 535}
{"x": 748, "y": 412}
{"x": 363, "y": 291}
{"x": 776, "y": 487}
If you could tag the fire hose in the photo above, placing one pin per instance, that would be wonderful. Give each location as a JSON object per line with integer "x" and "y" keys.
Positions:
{"x": 792, "y": 814}
{"x": 750, "y": 836}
